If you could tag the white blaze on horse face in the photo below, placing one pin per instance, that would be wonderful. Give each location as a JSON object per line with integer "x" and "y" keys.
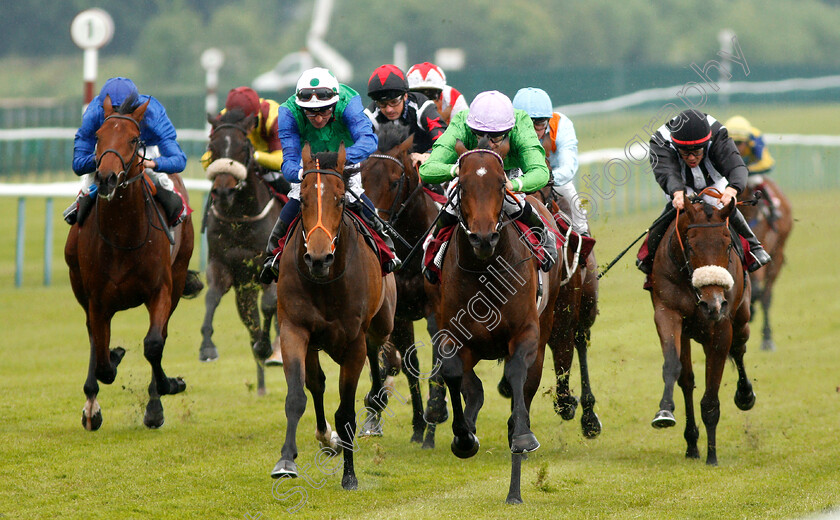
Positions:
{"x": 481, "y": 172}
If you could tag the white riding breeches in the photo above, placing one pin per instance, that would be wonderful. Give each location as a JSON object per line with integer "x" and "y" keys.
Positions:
{"x": 578, "y": 216}
{"x": 354, "y": 187}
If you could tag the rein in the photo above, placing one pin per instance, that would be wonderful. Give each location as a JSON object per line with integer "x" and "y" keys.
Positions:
{"x": 319, "y": 204}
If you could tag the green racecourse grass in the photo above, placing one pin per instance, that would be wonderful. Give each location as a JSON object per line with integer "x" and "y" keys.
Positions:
{"x": 212, "y": 457}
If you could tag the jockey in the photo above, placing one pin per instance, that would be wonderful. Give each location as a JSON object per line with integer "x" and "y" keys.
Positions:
{"x": 268, "y": 151}
{"x": 163, "y": 155}
{"x": 757, "y": 157}
{"x": 562, "y": 152}
{"x": 691, "y": 152}
{"x": 429, "y": 80}
{"x": 324, "y": 114}
{"x": 492, "y": 115}
{"x": 392, "y": 102}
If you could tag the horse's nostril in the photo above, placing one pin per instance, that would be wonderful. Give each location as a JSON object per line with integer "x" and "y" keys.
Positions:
{"x": 474, "y": 239}
{"x": 329, "y": 259}
{"x": 494, "y": 238}
{"x": 308, "y": 259}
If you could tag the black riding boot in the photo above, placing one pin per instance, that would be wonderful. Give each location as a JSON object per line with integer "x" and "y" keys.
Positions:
{"x": 773, "y": 213}
{"x": 79, "y": 210}
{"x": 269, "y": 271}
{"x": 657, "y": 231}
{"x": 739, "y": 223}
{"x": 531, "y": 218}
{"x": 173, "y": 205}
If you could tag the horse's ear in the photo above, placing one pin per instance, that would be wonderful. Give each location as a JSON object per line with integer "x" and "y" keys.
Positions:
{"x": 250, "y": 122}
{"x": 407, "y": 145}
{"x": 342, "y": 156}
{"x": 306, "y": 155}
{"x": 504, "y": 147}
{"x": 460, "y": 149}
{"x": 728, "y": 209}
{"x": 140, "y": 111}
{"x": 107, "y": 106}
{"x": 213, "y": 120}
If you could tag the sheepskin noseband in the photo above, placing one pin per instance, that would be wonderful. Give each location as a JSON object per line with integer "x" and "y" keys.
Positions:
{"x": 712, "y": 275}
{"x": 233, "y": 168}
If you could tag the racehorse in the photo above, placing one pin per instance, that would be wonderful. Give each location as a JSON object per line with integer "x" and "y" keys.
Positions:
{"x": 241, "y": 213}
{"x": 391, "y": 181}
{"x": 773, "y": 235}
{"x": 331, "y": 297}
{"x": 489, "y": 284}
{"x": 122, "y": 258}
{"x": 575, "y": 313}
{"x": 700, "y": 292}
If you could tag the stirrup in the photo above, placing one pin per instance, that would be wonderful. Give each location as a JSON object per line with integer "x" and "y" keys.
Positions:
{"x": 269, "y": 273}
{"x": 761, "y": 258}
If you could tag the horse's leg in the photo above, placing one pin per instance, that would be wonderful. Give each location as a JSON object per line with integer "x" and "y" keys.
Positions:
{"x": 562, "y": 344}
{"x": 464, "y": 443}
{"x": 159, "y": 311}
{"x": 436, "y": 411}
{"x": 295, "y": 346}
{"x": 315, "y": 383}
{"x": 767, "y": 342}
{"x": 249, "y": 313}
{"x": 403, "y": 339}
{"x": 525, "y": 353}
{"x": 529, "y": 390}
{"x": 744, "y": 395}
{"x": 268, "y": 304}
{"x": 589, "y": 421}
{"x": 669, "y": 327}
{"x": 218, "y": 284}
{"x": 102, "y": 365}
{"x": 473, "y": 392}
{"x": 345, "y": 416}
{"x": 686, "y": 382}
{"x": 376, "y": 399}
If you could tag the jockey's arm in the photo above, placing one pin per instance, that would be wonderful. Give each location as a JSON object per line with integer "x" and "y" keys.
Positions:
{"x": 666, "y": 166}
{"x": 361, "y": 130}
{"x": 84, "y": 144}
{"x": 531, "y": 155}
{"x": 288, "y": 133}
{"x": 161, "y": 133}
{"x": 764, "y": 161}
{"x": 439, "y": 167}
{"x": 564, "y": 160}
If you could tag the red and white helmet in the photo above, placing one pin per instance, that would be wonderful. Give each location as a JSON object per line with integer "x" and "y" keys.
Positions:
{"x": 426, "y": 75}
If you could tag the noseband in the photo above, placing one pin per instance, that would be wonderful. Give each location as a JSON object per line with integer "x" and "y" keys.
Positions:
{"x": 226, "y": 154}
{"x": 125, "y": 164}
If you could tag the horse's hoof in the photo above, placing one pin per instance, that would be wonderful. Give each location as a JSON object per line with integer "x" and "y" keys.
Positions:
{"x": 284, "y": 469}
{"x": 466, "y": 446}
{"x": 692, "y": 453}
{"x": 117, "y": 355}
{"x": 745, "y": 401}
{"x": 436, "y": 413}
{"x": 504, "y": 388}
{"x": 429, "y": 444}
{"x": 175, "y": 385}
{"x": 417, "y": 436}
{"x": 154, "y": 414}
{"x": 92, "y": 423}
{"x": 372, "y": 426}
{"x": 591, "y": 425}
{"x": 262, "y": 350}
{"x": 525, "y": 443}
{"x": 565, "y": 406}
{"x": 349, "y": 482}
{"x": 514, "y": 500}
{"x": 663, "y": 419}
{"x": 331, "y": 445}
{"x": 769, "y": 345}
{"x": 275, "y": 359}
{"x": 208, "y": 354}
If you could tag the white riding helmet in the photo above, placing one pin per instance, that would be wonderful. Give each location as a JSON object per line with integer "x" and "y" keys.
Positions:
{"x": 316, "y": 88}
{"x": 426, "y": 75}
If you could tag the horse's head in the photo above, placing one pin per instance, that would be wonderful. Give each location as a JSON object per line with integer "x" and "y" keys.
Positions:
{"x": 322, "y": 200}
{"x": 118, "y": 157}
{"x": 707, "y": 245}
{"x": 231, "y": 154}
{"x": 481, "y": 180}
{"x": 385, "y": 174}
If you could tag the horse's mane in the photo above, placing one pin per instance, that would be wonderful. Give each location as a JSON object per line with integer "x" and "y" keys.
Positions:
{"x": 327, "y": 160}
{"x": 129, "y": 105}
{"x": 391, "y": 135}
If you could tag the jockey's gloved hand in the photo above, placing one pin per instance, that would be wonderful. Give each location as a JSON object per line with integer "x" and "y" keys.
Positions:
{"x": 352, "y": 169}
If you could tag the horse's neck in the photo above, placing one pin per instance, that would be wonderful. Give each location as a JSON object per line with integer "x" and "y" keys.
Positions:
{"x": 125, "y": 215}
{"x": 255, "y": 192}
{"x": 509, "y": 248}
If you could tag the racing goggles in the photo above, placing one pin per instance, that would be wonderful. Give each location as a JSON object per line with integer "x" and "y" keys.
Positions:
{"x": 320, "y": 93}
{"x": 494, "y": 137}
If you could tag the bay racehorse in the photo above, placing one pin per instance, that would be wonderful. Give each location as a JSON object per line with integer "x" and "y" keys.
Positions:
{"x": 239, "y": 219}
{"x": 772, "y": 228}
{"x": 332, "y": 297}
{"x": 122, "y": 258}
{"x": 489, "y": 284}
{"x": 700, "y": 292}
{"x": 574, "y": 315}
{"x": 391, "y": 181}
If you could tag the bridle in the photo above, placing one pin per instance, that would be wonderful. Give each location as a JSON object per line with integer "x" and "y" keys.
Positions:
{"x": 398, "y": 205}
{"x": 125, "y": 164}
{"x": 505, "y": 192}
{"x": 319, "y": 225}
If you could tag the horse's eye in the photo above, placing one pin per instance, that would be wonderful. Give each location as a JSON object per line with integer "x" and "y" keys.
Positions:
{"x": 395, "y": 184}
